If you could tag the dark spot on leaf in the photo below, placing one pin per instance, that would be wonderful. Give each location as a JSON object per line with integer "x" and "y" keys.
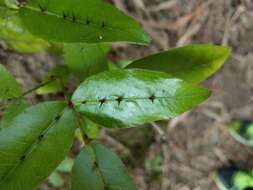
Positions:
{"x": 57, "y": 118}
{"x": 22, "y": 157}
{"x": 95, "y": 165}
{"x": 84, "y": 102}
{"x": 74, "y": 18}
{"x": 42, "y": 9}
{"x": 64, "y": 15}
{"x": 40, "y": 137}
{"x": 88, "y": 21}
{"x": 103, "y": 24}
{"x": 102, "y": 101}
{"x": 9, "y": 99}
{"x": 52, "y": 77}
{"x": 120, "y": 99}
{"x": 152, "y": 98}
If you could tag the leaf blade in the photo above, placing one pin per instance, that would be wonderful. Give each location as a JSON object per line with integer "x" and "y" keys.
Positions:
{"x": 12, "y": 110}
{"x": 9, "y": 88}
{"x": 85, "y": 60}
{"x": 34, "y": 137}
{"x": 97, "y": 168}
{"x": 193, "y": 63}
{"x": 126, "y": 98}
{"x": 80, "y": 21}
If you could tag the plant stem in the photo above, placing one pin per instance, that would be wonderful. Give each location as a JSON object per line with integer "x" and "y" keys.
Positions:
{"x": 27, "y": 92}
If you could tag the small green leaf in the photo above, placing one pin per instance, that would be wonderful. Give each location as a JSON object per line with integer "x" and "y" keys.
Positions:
{"x": 232, "y": 178}
{"x": 90, "y": 128}
{"x": 59, "y": 77}
{"x": 88, "y": 21}
{"x": 13, "y": 4}
{"x": 126, "y": 98}
{"x": 85, "y": 60}
{"x": 34, "y": 145}
{"x": 66, "y": 165}
{"x": 12, "y": 110}
{"x": 9, "y": 88}
{"x": 193, "y": 63}
{"x": 242, "y": 131}
{"x": 97, "y": 168}
{"x": 56, "y": 180}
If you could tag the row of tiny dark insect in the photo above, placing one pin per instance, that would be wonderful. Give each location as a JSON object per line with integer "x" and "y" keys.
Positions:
{"x": 96, "y": 166}
{"x": 40, "y": 137}
{"x": 72, "y": 17}
{"x": 119, "y": 99}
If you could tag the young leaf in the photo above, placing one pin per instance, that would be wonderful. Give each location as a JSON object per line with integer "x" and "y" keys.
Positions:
{"x": 85, "y": 60}
{"x": 193, "y": 63}
{"x": 59, "y": 77}
{"x": 97, "y": 168}
{"x": 34, "y": 145}
{"x": 12, "y": 110}
{"x": 125, "y": 98}
{"x": 89, "y": 21}
{"x": 56, "y": 180}
{"x": 90, "y": 128}
{"x": 9, "y": 88}
{"x": 12, "y": 4}
{"x": 17, "y": 37}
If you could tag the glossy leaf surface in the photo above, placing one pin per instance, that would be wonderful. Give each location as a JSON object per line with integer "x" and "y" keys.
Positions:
{"x": 85, "y": 60}
{"x": 193, "y": 63}
{"x": 126, "y": 98}
{"x": 97, "y": 168}
{"x": 9, "y": 88}
{"x": 78, "y": 21}
{"x": 34, "y": 145}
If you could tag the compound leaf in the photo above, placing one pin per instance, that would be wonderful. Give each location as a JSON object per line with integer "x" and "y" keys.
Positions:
{"x": 193, "y": 63}
{"x": 9, "y": 88}
{"x": 88, "y": 21}
{"x": 34, "y": 145}
{"x": 97, "y": 168}
{"x": 125, "y": 98}
{"x": 85, "y": 60}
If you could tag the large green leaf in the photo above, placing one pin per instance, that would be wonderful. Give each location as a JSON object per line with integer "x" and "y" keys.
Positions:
{"x": 125, "y": 98}
{"x": 12, "y": 110}
{"x": 88, "y": 21}
{"x": 85, "y": 60}
{"x": 34, "y": 145}
{"x": 9, "y": 88}
{"x": 97, "y": 168}
{"x": 193, "y": 63}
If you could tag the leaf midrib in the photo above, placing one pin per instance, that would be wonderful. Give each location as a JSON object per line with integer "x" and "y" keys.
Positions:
{"x": 136, "y": 98}
{"x": 77, "y": 21}
{"x": 30, "y": 149}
